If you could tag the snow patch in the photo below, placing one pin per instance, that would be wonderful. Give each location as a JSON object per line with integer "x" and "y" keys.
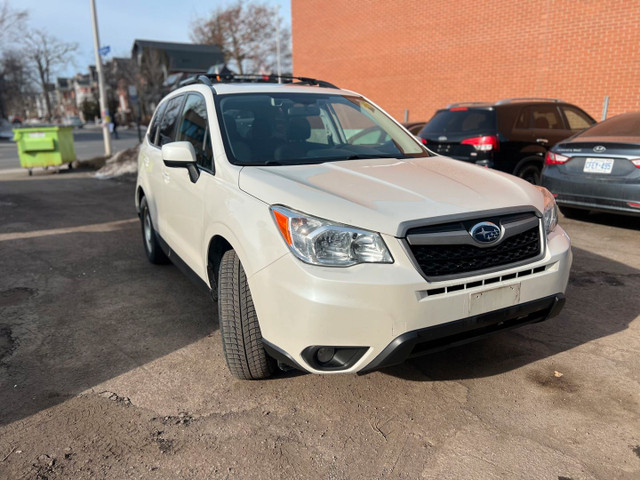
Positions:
{"x": 122, "y": 163}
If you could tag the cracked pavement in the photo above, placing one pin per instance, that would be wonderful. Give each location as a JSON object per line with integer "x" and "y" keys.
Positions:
{"x": 111, "y": 367}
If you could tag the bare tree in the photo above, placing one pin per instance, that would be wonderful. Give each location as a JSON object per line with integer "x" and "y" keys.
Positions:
{"x": 15, "y": 84}
{"x": 246, "y": 34}
{"x": 152, "y": 72}
{"x": 10, "y": 20}
{"x": 46, "y": 54}
{"x": 11, "y": 65}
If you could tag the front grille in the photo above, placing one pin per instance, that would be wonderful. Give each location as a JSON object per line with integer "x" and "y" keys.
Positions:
{"x": 440, "y": 260}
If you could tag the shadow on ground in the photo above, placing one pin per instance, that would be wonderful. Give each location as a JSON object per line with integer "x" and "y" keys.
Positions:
{"x": 80, "y": 307}
{"x": 611, "y": 220}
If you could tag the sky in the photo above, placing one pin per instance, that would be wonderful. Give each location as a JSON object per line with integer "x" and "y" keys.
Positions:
{"x": 120, "y": 22}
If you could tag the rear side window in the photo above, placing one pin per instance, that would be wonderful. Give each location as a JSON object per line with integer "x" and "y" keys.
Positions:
{"x": 194, "y": 129}
{"x": 541, "y": 117}
{"x": 153, "y": 130}
{"x": 466, "y": 122}
{"x": 167, "y": 127}
{"x": 576, "y": 119}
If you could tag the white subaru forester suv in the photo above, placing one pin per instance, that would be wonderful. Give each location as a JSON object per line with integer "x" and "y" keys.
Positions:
{"x": 332, "y": 240}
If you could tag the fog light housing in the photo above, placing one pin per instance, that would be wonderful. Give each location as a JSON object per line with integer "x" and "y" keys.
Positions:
{"x": 325, "y": 354}
{"x": 332, "y": 358}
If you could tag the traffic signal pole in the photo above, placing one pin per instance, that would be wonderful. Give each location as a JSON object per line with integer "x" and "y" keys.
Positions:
{"x": 104, "y": 108}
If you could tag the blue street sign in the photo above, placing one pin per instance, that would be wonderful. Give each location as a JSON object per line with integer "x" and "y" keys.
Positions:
{"x": 104, "y": 51}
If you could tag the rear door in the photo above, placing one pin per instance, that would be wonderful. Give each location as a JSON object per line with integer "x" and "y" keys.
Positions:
{"x": 542, "y": 124}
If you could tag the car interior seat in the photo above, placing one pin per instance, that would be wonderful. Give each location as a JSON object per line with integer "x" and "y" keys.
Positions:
{"x": 298, "y": 131}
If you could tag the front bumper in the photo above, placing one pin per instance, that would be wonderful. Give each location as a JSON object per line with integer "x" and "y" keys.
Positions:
{"x": 439, "y": 337}
{"x": 372, "y": 306}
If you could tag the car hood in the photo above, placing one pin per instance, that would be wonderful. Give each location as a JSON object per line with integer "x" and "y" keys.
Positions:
{"x": 380, "y": 194}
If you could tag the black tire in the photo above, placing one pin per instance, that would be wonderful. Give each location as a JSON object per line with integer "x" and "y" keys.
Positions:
{"x": 530, "y": 172}
{"x": 149, "y": 240}
{"x": 574, "y": 213}
{"x": 239, "y": 327}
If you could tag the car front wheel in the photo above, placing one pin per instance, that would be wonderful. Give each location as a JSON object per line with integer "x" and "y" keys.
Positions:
{"x": 239, "y": 327}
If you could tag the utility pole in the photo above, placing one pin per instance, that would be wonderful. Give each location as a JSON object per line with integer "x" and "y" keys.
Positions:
{"x": 104, "y": 108}
{"x": 278, "y": 45}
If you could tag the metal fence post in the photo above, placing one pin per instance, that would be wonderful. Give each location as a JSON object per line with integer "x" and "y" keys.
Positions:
{"x": 605, "y": 108}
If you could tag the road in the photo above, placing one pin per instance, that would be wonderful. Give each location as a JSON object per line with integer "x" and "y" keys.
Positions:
{"x": 88, "y": 144}
{"x": 111, "y": 367}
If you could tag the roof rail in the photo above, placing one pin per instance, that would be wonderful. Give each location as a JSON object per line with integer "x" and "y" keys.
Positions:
{"x": 212, "y": 78}
{"x": 528, "y": 99}
{"x": 466, "y": 104}
{"x": 195, "y": 79}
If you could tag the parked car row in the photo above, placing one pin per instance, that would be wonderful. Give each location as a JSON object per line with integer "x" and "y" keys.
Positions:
{"x": 511, "y": 135}
{"x": 587, "y": 166}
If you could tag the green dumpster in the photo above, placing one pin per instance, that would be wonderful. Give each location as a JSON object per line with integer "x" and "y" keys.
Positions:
{"x": 44, "y": 146}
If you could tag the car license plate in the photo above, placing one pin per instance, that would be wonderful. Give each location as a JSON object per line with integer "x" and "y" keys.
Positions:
{"x": 494, "y": 299}
{"x": 598, "y": 165}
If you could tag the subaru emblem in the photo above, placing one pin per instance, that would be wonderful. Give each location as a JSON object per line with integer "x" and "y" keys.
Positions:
{"x": 486, "y": 232}
{"x": 599, "y": 149}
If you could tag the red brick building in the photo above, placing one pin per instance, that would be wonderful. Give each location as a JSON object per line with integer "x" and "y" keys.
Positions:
{"x": 423, "y": 54}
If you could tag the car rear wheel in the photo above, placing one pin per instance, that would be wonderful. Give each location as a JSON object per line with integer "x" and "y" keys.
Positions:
{"x": 575, "y": 213}
{"x": 151, "y": 246}
{"x": 239, "y": 327}
{"x": 530, "y": 172}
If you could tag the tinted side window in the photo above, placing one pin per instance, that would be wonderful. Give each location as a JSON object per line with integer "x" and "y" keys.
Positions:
{"x": 169, "y": 119}
{"x": 576, "y": 119}
{"x": 543, "y": 117}
{"x": 153, "y": 130}
{"x": 195, "y": 130}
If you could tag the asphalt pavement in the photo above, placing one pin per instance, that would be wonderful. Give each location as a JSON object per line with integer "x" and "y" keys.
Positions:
{"x": 111, "y": 367}
{"x": 88, "y": 143}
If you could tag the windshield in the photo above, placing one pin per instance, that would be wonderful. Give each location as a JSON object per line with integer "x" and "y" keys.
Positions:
{"x": 299, "y": 128}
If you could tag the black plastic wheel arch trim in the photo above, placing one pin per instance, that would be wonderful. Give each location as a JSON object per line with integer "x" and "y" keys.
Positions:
{"x": 281, "y": 356}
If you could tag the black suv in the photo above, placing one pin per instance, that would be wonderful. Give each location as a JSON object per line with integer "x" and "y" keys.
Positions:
{"x": 511, "y": 135}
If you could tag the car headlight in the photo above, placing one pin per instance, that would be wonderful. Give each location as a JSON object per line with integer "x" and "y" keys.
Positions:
{"x": 550, "y": 214}
{"x": 320, "y": 242}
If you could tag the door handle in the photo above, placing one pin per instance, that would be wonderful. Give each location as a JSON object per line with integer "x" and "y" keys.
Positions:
{"x": 542, "y": 140}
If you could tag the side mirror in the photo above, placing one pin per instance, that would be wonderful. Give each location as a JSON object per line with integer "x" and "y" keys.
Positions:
{"x": 181, "y": 154}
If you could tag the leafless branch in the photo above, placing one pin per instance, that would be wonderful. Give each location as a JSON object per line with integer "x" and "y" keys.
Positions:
{"x": 246, "y": 34}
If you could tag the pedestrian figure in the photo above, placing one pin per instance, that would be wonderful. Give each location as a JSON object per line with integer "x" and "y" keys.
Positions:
{"x": 115, "y": 128}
